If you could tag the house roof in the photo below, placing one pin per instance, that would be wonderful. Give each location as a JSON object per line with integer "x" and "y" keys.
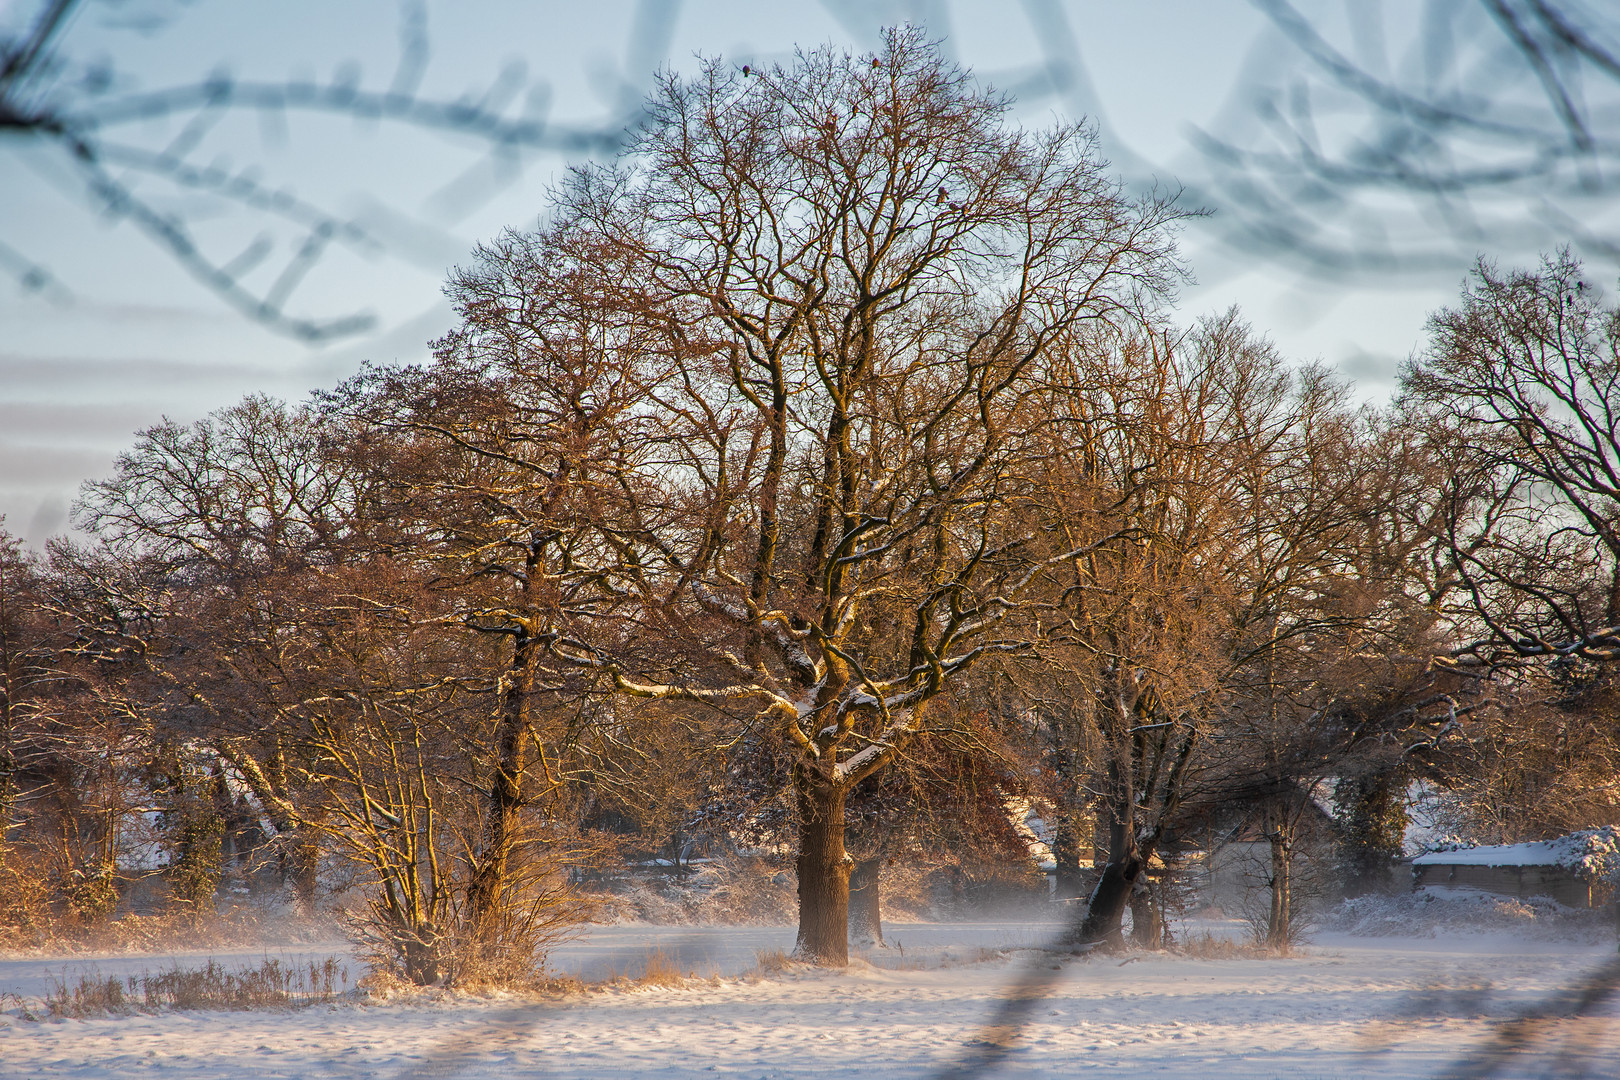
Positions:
{"x": 1541, "y": 853}
{"x": 1591, "y": 854}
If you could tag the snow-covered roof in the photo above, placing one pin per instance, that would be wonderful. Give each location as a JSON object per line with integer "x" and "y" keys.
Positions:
{"x": 1541, "y": 853}
{"x": 1593, "y": 854}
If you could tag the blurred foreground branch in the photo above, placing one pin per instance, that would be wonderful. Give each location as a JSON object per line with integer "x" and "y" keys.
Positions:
{"x": 1438, "y": 133}
{"x": 92, "y": 121}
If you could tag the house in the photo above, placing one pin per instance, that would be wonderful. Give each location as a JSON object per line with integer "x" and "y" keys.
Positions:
{"x": 1227, "y": 856}
{"x": 1581, "y": 869}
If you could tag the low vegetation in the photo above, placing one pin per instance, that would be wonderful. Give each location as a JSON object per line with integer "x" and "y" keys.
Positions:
{"x": 272, "y": 984}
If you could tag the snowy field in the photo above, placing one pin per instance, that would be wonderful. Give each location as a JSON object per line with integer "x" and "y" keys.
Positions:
{"x": 1345, "y": 1007}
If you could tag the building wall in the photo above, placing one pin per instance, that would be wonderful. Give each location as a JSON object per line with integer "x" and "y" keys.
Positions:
{"x": 1522, "y": 882}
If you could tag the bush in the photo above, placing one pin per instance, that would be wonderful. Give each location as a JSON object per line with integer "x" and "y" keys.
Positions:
{"x": 25, "y": 899}
{"x": 507, "y": 950}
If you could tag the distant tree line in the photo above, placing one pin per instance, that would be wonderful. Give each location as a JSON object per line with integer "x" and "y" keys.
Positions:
{"x": 826, "y": 472}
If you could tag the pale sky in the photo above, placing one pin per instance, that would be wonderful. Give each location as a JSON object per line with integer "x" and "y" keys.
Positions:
{"x": 126, "y": 337}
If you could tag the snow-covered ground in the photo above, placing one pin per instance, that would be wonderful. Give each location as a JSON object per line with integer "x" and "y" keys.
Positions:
{"x": 1347, "y": 1006}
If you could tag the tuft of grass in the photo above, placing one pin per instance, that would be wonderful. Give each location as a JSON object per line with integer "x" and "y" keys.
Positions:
{"x": 952, "y": 958}
{"x": 93, "y": 995}
{"x": 21, "y": 1006}
{"x": 1207, "y": 946}
{"x": 559, "y": 985}
{"x": 270, "y": 985}
{"x": 898, "y": 963}
{"x": 658, "y": 969}
{"x": 772, "y": 961}
{"x": 661, "y": 971}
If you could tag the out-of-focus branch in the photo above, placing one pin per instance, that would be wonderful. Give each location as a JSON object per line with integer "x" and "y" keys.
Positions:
{"x": 41, "y": 103}
{"x": 1495, "y": 128}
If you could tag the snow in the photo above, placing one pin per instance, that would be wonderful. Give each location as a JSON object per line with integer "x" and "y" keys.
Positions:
{"x": 1029, "y": 822}
{"x": 1543, "y": 853}
{"x": 1438, "y": 912}
{"x": 1426, "y": 819}
{"x": 1347, "y": 1006}
{"x": 1593, "y": 854}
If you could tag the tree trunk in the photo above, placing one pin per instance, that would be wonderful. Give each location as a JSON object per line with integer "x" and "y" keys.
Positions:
{"x": 1279, "y": 922}
{"x": 505, "y": 797}
{"x": 823, "y": 871}
{"x": 1066, "y": 854}
{"x": 421, "y": 961}
{"x": 301, "y": 864}
{"x": 865, "y": 917}
{"x": 1105, "y": 911}
{"x": 1147, "y": 921}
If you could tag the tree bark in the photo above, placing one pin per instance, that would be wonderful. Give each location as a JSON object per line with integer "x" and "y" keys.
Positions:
{"x": 1066, "y": 854}
{"x": 1279, "y": 921}
{"x": 865, "y": 916}
{"x": 1147, "y": 920}
{"x": 421, "y": 962}
{"x": 1105, "y": 912}
{"x": 824, "y": 869}
{"x": 505, "y": 797}
{"x": 300, "y": 866}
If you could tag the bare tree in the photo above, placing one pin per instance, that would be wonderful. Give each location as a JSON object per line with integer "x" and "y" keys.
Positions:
{"x": 1541, "y": 759}
{"x": 88, "y": 733}
{"x": 787, "y": 345}
{"x": 19, "y": 665}
{"x": 230, "y": 518}
{"x": 1523, "y": 373}
{"x": 1424, "y": 134}
{"x": 1168, "y": 467}
{"x": 1240, "y": 580}
{"x": 327, "y": 675}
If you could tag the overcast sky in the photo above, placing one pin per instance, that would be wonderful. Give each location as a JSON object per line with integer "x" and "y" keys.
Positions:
{"x": 124, "y": 336}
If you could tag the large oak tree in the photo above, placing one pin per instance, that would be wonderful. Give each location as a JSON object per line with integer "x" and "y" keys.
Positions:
{"x": 759, "y": 404}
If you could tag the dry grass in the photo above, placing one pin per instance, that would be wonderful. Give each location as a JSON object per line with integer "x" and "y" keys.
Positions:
{"x": 772, "y": 961}
{"x": 92, "y": 996}
{"x": 658, "y": 969}
{"x": 270, "y": 985}
{"x": 385, "y": 985}
{"x": 1207, "y": 946}
{"x": 661, "y": 971}
{"x": 12, "y": 1003}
